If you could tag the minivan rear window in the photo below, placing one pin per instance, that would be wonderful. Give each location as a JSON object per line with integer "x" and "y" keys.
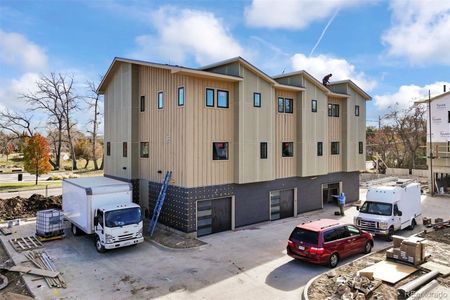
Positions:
{"x": 306, "y": 236}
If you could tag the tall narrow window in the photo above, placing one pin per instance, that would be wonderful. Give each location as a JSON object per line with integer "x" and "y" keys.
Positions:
{"x": 361, "y": 147}
{"x": 336, "y": 110}
{"x": 314, "y": 105}
{"x": 357, "y": 110}
{"x": 256, "y": 99}
{"x": 449, "y": 116}
{"x": 222, "y": 99}
{"x": 142, "y": 103}
{"x": 210, "y": 97}
{"x": 124, "y": 149}
{"x": 108, "y": 148}
{"x": 263, "y": 150}
{"x": 448, "y": 146}
{"x": 289, "y": 106}
{"x": 181, "y": 96}
{"x": 280, "y": 104}
{"x": 334, "y": 148}
{"x": 144, "y": 150}
{"x": 220, "y": 151}
{"x": 319, "y": 148}
{"x": 333, "y": 110}
{"x": 287, "y": 149}
{"x": 330, "y": 110}
{"x": 160, "y": 100}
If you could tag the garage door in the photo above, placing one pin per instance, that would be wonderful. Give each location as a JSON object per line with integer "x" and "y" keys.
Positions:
{"x": 281, "y": 204}
{"x": 213, "y": 216}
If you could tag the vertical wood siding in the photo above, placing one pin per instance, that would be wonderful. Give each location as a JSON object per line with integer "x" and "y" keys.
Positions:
{"x": 335, "y": 135}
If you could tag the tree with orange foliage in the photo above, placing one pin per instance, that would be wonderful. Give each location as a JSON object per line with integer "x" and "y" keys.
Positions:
{"x": 36, "y": 156}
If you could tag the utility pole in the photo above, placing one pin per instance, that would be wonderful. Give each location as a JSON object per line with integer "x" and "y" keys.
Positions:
{"x": 379, "y": 122}
{"x": 431, "y": 146}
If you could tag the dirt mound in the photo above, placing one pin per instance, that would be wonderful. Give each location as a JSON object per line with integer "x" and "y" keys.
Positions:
{"x": 18, "y": 207}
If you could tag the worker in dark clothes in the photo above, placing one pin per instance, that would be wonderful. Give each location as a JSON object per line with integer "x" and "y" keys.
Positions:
{"x": 326, "y": 79}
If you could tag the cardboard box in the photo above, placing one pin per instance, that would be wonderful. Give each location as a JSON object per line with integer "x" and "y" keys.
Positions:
{"x": 397, "y": 240}
{"x": 390, "y": 253}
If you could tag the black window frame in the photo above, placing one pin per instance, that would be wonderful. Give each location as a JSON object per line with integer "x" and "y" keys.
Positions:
{"x": 181, "y": 88}
{"x": 228, "y": 98}
{"x": 333, "y": 110}
{"x": 124, "y": 149}
{"x": 448, "y": 146}
{"x": 281, "y": 104}
{"x": 263, "y": 150}
{"x": 142, "y": 104}
{"x": 108, "y": 148}
{"x": 215, "y": 153}
{"x": 360, "y": 147}
{"x": 314, "y": 105}
{"x": 319, "y": 148}
{"x": 291, "y": 105}
{"x": 448, "y": 117}
{"x": 356, "y": 110}
{"x": 332, "y": 148}
{"x": 157, "y": 100}
{"x": 330, "y": 110}
{"x": 290, "y": 145}
{"x": 213, "y": 97}
{"x": 254, "y": 99}
{"x": 141, "y": 147}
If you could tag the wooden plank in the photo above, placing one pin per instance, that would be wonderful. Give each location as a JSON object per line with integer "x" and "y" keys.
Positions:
{"x": 31, "y": 240}
{"x": 26, "y": 243}
{"x": 389, "y": 271}
{"x": 34, "y": 271}
{"x": 5, "y": 231}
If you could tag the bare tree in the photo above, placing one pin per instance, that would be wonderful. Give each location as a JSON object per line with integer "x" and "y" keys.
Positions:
{"x": 18, "y": 124}
{"x": 93, "y": 101}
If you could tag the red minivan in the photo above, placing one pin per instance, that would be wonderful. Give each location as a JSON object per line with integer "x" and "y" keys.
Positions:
{"x": 327, "y": 241}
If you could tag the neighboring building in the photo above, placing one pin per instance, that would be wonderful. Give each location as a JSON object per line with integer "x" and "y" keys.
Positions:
{"x": 440, "y": 142}
{"x": 243, "y": 147}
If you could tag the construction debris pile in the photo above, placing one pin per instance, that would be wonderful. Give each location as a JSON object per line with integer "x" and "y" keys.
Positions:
{"x": 348, "y": 287}
{"x": 18, "y": 207}
{"x": 42, "y": 260}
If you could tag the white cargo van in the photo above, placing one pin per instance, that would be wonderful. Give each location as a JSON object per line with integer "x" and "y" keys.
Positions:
{"x": 390, "y": 208}
{"x": 104, "y": 207}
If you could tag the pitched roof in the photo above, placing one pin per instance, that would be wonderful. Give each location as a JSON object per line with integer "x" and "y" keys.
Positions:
{"x": 354, "y": 86}
{"x": 433, "y": 98}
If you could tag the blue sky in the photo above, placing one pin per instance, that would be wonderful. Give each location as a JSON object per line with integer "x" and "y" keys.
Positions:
{"x": 396, "y": 50}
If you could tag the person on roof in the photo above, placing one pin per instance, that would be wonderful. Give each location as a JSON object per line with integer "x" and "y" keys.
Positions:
{"x": 326, "y": 79}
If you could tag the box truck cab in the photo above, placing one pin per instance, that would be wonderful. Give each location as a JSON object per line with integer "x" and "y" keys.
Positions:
{"x": 390, "y": 208}
{"x": 103, "y": 207}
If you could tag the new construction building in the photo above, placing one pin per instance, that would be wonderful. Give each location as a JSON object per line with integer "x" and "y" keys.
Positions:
{"x": 243, "y": 147}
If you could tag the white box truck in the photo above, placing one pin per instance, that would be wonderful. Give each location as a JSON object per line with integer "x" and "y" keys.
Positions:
{"x": 390, "y": 208}
{"x": 103, "y": 207}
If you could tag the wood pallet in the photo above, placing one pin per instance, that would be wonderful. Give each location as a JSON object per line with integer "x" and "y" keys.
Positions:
{"x": 5, "y": 231}
{"x": 25, "y": 243}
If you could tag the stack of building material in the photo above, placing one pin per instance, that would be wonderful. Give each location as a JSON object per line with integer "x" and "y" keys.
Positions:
{"x": 43, "y": 261}
{"x": 409, "y": 250}
{"x": 49, "y": 223}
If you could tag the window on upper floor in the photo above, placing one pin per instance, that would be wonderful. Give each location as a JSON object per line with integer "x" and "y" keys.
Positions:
{"x": 220, "y": 151}
{"x": 144, "y": 150}
{"x": 263, "y": 150}
{"x": 288, "y": 106}
{"x": 319, "y": 148}
{"x": 448, "y": 146}
{"x": 142, "y": 106}
{"x": 314, "y": 105}
{"x": 334, "y": 148}
{"x": 160, "y": 100}
{"x": 357, "y": 110}
{"x": 209, "y": 97}
{"x": 108, "y": 148}
{"x": 181, "y": 96}
{"x": 360, "y": 147}
{"x": 280, "y": 104}
{"x": 449, "y": 116}
{"x": 257, "y": 99}
{"x": 333, "y": 110}
{"x": 124, "y": 149}
{"x": 287, "y": 149}
{"x": 222, "y": 99}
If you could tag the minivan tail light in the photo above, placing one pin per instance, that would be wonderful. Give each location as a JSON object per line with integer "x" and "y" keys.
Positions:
{"x": 291, "y": 243}
{"x": 314, "y": 250}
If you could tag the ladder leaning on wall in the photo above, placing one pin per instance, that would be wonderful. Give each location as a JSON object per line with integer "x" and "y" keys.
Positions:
{"x": 159, "y": 202}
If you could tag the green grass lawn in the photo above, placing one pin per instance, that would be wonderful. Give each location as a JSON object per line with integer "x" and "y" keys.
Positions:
{"x": 26, "y": 186}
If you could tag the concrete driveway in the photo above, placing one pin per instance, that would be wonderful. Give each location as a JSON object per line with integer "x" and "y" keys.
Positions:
{"x": 249, "y": 263}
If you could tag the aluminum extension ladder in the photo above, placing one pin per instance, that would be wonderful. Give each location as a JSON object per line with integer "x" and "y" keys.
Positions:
{"x": 159, "y": 202}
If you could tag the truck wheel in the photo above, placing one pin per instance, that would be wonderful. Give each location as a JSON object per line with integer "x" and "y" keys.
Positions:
{"x": 334, "y": 260}
{"x": 390, "y": 234}
{"x": 413, "y": 224}
{"x": 368, "y": 247}
{"x": 98, "y": 245}
{"x": 75, "y": 230}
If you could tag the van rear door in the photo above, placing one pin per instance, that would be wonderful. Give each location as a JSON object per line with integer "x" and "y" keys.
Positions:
{"x": 302, "y": 240}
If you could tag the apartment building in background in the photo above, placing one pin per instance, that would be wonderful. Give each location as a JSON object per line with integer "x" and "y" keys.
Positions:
{"x": 243, "y": 147}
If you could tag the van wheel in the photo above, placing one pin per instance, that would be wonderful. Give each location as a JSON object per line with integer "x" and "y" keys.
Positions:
{"x": 368, "y": 247}
{"x": 413, "y": 224}
{"x": 98, "y": 245}
{"x": 390, "y": 234}
{"x": 75, "y": 230}
{"x": 334, "y": 260}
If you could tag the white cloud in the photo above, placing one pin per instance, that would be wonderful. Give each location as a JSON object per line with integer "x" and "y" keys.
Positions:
{"x": 17, "y": 51}
{"x": 185, "y": 33}
{"x": 293, "y": 14}
{"x": 420, "y": 31}
{"x": 407, "y": 94}
{"x": 321, "y": 65}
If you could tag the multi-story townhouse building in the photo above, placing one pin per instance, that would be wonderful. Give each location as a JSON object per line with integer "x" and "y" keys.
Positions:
{"x": 243, "y": 147}
{"x": 440, "y": 142}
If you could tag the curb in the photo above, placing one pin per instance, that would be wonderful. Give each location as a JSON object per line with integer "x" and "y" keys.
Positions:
{"x": 308, "y": 284}
{"x": 174, "y": 249}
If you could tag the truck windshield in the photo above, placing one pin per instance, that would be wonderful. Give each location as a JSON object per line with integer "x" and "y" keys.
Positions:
{"x": 376, "y": 208}
{"x": 122, "y": 217}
